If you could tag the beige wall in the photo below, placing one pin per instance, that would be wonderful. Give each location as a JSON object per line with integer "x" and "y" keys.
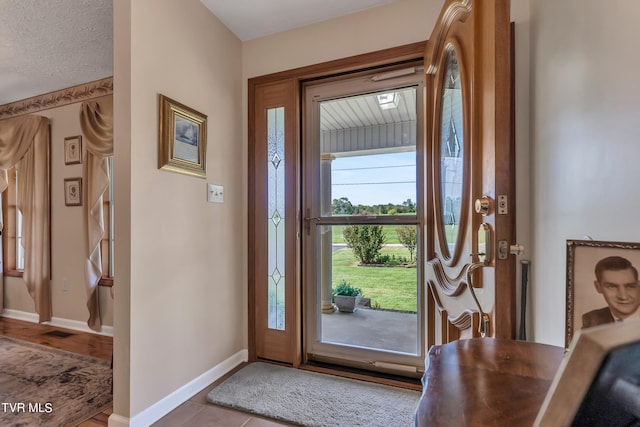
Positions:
{"x": 122, "y": 216}
{"x": 184, "y": 277}
{"x": 584, "y": 137}
{"x": 67, "y": 238}
{"x": 184, "y": 280}
{"x": 181, "y": 262}
{"x": 398, "y": 23}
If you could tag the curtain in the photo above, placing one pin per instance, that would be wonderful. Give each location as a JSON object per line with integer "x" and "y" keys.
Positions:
{"x": 96, "y": 120}
{"x": 24, "y": 142}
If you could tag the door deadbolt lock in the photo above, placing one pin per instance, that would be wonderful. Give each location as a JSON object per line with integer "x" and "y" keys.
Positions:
{"x": 516, "y": 249}
{"x": 504, "y": 249}
{"x": 483, "y": 205}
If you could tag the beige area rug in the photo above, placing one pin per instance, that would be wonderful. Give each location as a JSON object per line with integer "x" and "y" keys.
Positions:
{"x": 312, "y": 399}
{"x": 42, "y": 386}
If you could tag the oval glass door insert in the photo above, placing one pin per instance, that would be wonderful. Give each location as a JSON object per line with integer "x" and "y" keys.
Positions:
{"x": 451, "y": 152}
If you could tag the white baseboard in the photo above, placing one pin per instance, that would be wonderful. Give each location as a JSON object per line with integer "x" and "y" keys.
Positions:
{"x": 117, "y": 421}
{"x": 60, "y": 322}
{"x": 161, "y": 408}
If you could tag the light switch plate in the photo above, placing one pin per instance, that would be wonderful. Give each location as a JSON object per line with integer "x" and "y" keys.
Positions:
{"x": 215, "y": 193}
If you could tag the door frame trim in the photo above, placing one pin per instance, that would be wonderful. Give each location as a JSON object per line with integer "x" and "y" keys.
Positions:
{"x": 383, "y": 58}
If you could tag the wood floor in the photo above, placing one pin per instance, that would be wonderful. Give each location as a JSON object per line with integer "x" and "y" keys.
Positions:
{"x": 195, "y": 412}
{"x": 79, "y": 342}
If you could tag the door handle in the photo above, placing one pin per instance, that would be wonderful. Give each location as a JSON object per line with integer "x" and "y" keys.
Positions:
{"x": 483, "y": 205}
{"x": 484, "y": 235}
{"x": 307, "y": 222}
{"x": 485, "y": 320}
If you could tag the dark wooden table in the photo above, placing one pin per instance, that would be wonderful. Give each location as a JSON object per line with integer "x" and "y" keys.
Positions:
{"x": 486, "y": 382}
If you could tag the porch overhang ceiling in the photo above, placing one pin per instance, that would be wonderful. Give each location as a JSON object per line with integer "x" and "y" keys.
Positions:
{"x": 359, "y": 125}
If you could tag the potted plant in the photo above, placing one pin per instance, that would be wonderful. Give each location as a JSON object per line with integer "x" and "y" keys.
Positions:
{"x": 346, "y": 297}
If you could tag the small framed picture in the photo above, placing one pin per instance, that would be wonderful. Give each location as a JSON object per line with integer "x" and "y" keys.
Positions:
{"x": 73, "y": 150}
{"x": 73, "y": 191}
{"x": 602, "y": 284}
{"x": 182, "y": 139}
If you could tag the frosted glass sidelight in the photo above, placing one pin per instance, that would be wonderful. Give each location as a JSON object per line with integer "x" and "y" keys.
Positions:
{"x": 276, "y": 218}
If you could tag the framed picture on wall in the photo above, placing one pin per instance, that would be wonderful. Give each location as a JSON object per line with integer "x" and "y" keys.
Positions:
{"x": 602, "y": 284}
{"x": 73, "y": 150}
{"x": 183, "y": 139}
{"x": 73, "y": 192}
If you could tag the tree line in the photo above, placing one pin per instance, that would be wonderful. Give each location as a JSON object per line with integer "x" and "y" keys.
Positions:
{"x": 343, "y": 206}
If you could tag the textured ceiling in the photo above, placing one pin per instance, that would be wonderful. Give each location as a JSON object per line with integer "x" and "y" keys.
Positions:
{"x": 48, "y": 45}
{"x": 51, "y": 45}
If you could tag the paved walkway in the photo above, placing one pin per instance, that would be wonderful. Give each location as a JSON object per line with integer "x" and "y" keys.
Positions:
{"x": 388, "y": 330}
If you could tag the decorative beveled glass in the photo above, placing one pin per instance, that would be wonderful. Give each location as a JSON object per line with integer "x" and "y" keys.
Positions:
{"x": 275, "y": 218}
{"x": 451, "y": 151}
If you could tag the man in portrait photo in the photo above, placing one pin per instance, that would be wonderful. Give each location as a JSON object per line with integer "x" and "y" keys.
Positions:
{"x": 617, "y": 281}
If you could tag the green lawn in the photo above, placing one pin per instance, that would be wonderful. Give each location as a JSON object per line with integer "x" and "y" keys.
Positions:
{"x": 393, "y": 288}
{"x": 389, "y": 232}
{"x": 389, "y": 288}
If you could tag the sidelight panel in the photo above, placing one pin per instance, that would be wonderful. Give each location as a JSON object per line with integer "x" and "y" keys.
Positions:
{"x": 276, "y": 218}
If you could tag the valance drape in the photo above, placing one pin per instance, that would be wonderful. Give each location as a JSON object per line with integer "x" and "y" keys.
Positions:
{"x": 96, "y": 120}
{"x": 24, "y": 143}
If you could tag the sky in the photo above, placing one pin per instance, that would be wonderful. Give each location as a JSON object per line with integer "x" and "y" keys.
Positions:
{"x": 375, "y": 179}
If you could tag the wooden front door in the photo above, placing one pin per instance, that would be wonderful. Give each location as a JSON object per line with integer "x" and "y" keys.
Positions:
{"x": 470, "y": 272}
{"x": 275, "y": 231}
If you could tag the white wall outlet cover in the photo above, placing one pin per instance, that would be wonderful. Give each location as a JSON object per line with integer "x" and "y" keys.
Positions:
{"x": 215, "y": 193}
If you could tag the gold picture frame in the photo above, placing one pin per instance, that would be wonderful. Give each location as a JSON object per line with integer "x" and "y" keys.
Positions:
{"x": 73, "y": 192}
{"x": 586, "y": 303}
{"x": 182, "y": 138}
{"x": 73, "y": 150}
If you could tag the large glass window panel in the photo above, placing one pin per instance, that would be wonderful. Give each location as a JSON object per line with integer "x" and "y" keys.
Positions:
{"x": 370, "y": 142}
{"x": 386, "y": 315}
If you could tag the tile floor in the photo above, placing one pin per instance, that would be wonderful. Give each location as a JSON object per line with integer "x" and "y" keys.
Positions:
{"x": 197, "y": 412}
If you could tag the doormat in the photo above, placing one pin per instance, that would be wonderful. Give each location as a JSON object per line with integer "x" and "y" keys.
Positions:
{"x": 43, "y": 386}
{"x": 312, "y": 399}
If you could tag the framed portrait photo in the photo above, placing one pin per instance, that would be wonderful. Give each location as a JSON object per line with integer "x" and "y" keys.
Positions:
{"x": 73, "y": 192}
{"x": 602, "y": 284}
{"x": 73, "y": 150}
{"x": 182, "y": 139}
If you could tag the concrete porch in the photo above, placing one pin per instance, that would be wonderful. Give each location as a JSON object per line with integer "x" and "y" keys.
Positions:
{"x": 387, "y": 330}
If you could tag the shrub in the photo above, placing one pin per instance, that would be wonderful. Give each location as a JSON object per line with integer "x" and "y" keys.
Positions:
{"x": 391, "y": 260}
{"x": 366, "y": 241}
{"x": 408, "y": 236}
{"x": 382, "y": 259}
